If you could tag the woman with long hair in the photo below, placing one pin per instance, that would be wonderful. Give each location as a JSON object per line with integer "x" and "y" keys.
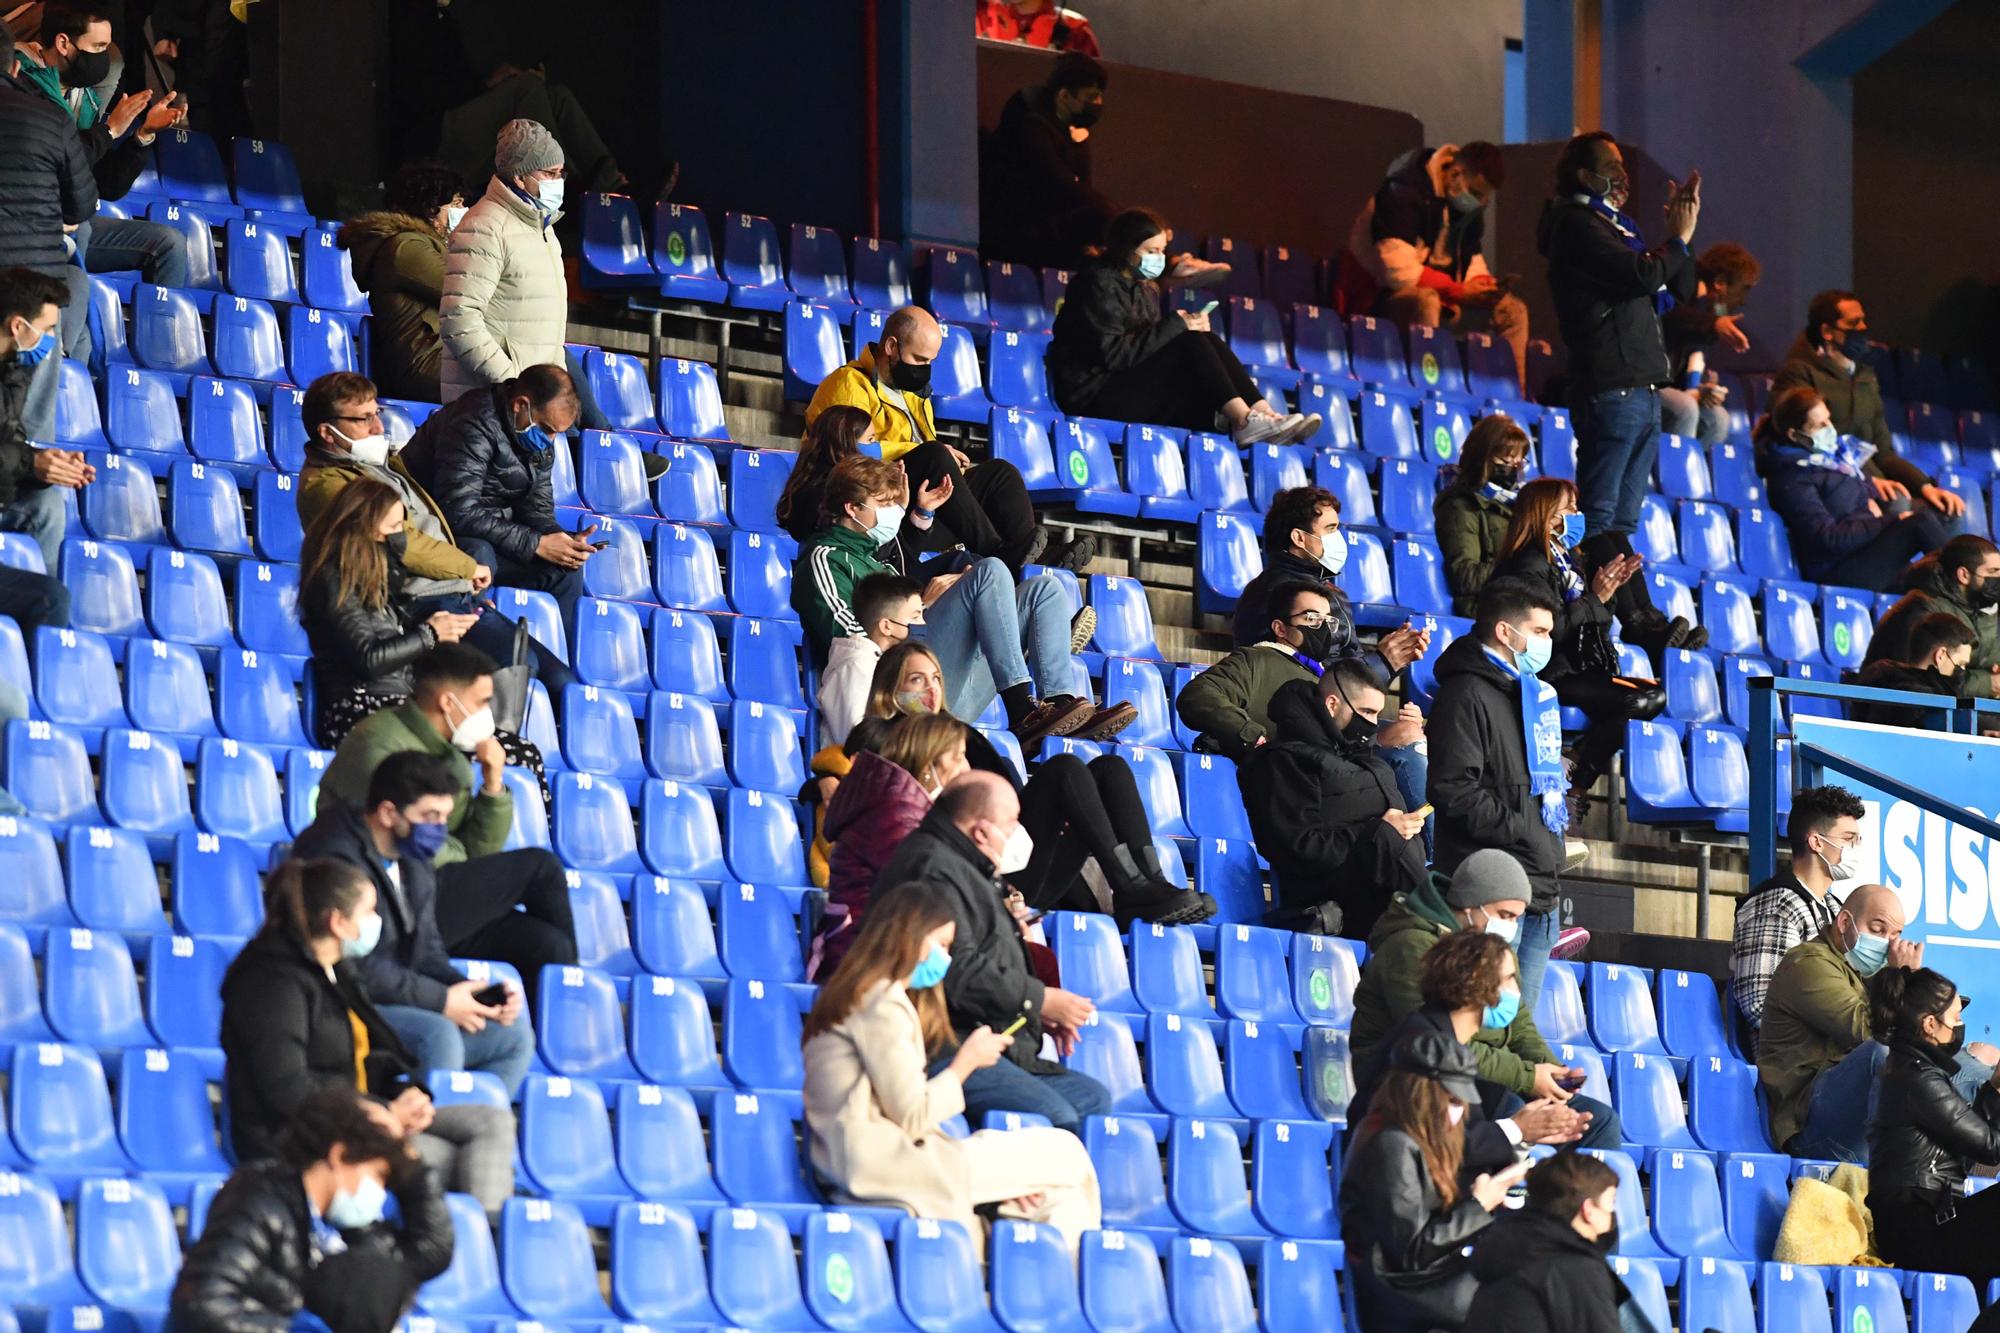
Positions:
{"x": 1545, "y": 528}
{"x": 884, "y": 1071}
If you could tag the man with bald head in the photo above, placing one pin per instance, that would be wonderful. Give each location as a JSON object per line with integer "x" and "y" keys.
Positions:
{"x": 973, "y": 830}
{"x": 987, "y": 509}
{"x": 1817, "y": 1059}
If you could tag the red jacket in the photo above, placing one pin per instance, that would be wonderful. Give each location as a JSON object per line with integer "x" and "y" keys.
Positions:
{"x": 1055, "y": 28}
{"x": 876, "y": 806}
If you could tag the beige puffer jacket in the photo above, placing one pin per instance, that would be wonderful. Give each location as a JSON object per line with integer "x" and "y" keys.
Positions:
{"x": 506, "y": 305}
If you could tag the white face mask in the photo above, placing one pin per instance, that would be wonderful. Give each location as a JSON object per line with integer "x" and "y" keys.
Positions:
{"x": 1019, "y": 850}
{"x": 453, "y": 215}
{"x": 369, "y": 450}
{"x": 477, "y": 726}
{"x": 1457, "y": 1112}
{"x": 1840, "y": 870}
{"x": 1333, "y": 551}
{"x": 551, "y": 195}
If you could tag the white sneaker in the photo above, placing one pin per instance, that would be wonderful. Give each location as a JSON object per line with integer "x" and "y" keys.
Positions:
{"x": 1309, "y": 424}
{"x": 1261, "y": 430}
{"x": 1193, "y": 273}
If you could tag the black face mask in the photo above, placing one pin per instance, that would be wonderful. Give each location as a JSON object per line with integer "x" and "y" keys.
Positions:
{"x": 1982, "y": 595}
{"x": 1950, "y": 1045}
{"x": 1086, "y": 115}
{"x": 397, "y": 543}
{"x": 1608, "y": 1242}
{"x": 1316, "y": 642}
{"x": 1509, "y": 477}
{"x": 1359, "y": 732}
{"x": 1853, "y": 343}
{"x": 910, "y": 379}
{"x": 87, "y": 69}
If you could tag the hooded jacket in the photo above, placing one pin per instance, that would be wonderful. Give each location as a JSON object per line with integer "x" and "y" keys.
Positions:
{"x": 1603, "y": 294}
{"x": 877, "y": 805}
{"x": 506, "y": 302}
{"x": 489, "y": 483}
{"x": 1537, "y": 1275}
{"x": 1855, "y": 401}
{"x": 1109, "y": 321}
{"x": 1032, "y": 174}
{"x": 902, "y": 420}
{"x": 1934, "y": 591}
{"x": 1470, "y": 528}
{"x": 45, "y": 178}
{"x": 357, "y": 646}
{"x": 1886, "y": 675}
{"x": 1479, "y": 771}
{"x": 1924, "y": 1137}
{"x": 1815, "y": 1012}
{"x": 1229, "y": 704}
{"x": 436, "y": 565}
{"x": 399, "y": 262}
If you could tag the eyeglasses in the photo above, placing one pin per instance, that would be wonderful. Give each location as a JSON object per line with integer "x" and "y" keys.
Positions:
{"x": 1308, "y": 620}
{"x": 372, "y": 416}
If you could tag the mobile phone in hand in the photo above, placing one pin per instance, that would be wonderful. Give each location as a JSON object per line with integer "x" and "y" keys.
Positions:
{"x": 494, "y": 996}
{"x": 1571, "y": 1082}
{"x": 1014, "y": 1026}
{"x": 1209, "y": 309}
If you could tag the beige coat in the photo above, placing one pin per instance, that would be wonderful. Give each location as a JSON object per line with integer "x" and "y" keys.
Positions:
{"x": 506, "y": 303}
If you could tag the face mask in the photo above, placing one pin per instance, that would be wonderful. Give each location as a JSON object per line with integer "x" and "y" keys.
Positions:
{"x": 1534, "y": 654}
{"x": 910, "y": 378}
{"x": 1607, "y": 1239}
{"x": 453, "y": 215}
{"x": 1950, "y": 1045}
{"x": 1152, "y": 266}
{"x": 551, "y": 195}
{"x": 1823, "y": 441}
{"x": 1464, "y": 202}
{"x": 36, "y": 352}
{"x": 1509, "y": 477}
{"x": 912, "y": 701}
{"x": 1020, "y": 849}
{"x": 362, "y": 1208}
{"x": 425, "y": 841}
{"x": 536, "y": 437}
{"x": 1854, "y": 344}
{"x": 1333, "y": 552}
{"x": 1501, "y": 1014}
{"x": 1086, "y": 115}
{"x": 1615, "y": 188}
{"x": 888, "y": 521}
{"x": 477, "y": 726}
{"x": 369, "y": 450}
{"x": 930, "y": 969}
{"x": 1983, "y": 595}
{"x": 1359, "y": 731}
{"x": 1572, "y": 532}
{"x": 398, "y": 543}
{"x": 1316, "y": 642}
{"x": 364, "y": 944}
{"x": 1506, "y": 930}
{"x": 1868, "y": 954}
{"x": 1840, "y": 870}
{"x": 87, "y": 69}
{"x": 1455, "y": 1113}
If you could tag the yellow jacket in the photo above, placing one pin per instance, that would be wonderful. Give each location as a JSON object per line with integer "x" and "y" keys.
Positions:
{"x": 902, "y": 421}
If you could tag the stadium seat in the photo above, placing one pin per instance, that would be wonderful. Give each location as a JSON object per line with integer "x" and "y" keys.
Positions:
{"x": 685, "y": 656}
{"x": 127, "y": 1249}
{"x": 77, "y": 419}
{"x": 21, "y": 1019}
{"x": 661, "y": 1152}
{"x": 164, "y": 1120}
{"x": 1635, "y": 1233}
{"x": 1419, "y": 577}
{"x": 1657, "y": 789}
{"x": 1153, "y": 772}
{"x": 763, "y": 845}
{"x": 91, "y": 990}
{"x": 141, "y": 412}
{"x": 1791, "y": 1298}
{"x": 223, "y": 425}
{"x": 619, "y": 381}
{"x": 683, "y": 742}
{"x": 1156, "y": 472}
{"x": 591, "y": 823}
{"x": 1229, "y": 554}
{"x": 1942, "y": 1303}
{"x": 1376, "y": 346}
{"x": 599, "y": 735}
{"x": 614, "y": 243}
{"x": 1756, "y": 1190}
{"x": 580, "y": 1025}
{"x": 1442, "y": 428}
{"x": 1107, "y": 1052}
{"x": 813, "y": 348}
{"x": 1621, "y": 1008}
{"x": 1319, "y": 343}
{"x": 1324, "y": 972}
{"x": 104, "y": 589}
{"x": 1022, "y": 438}
{"x": 1724, "y": 1109}
{"x": 1091, "y": 958}
{"x": 756, "y": 1156}
{"x": 1275, "y": 468}
{"x": 1766, "y": 551}
{"x": 619, "y": 572}
{"x": 1184, "y": 1069}
{"x": 1215, "y": 474}
{"x": 36, "y": 1270}
{"x": 764, "y": 747}
{"x": 1205, "y": 1179}
{"x": 470, "y": 1287}
{"x": 1016, "y": 376}
{"x": 183, "y": 994}
{"x": 1791, "y": 629}
{"x": 1088, "y": 476}
{"x": 612, "y": 478}
{"x": 881, "y": 274}
{"x": 657, "y": 1275}
{"x": 1123, "y": 1291}
{"x": 1228, "y": 870}
{"x": 166, "y": 330}
{"x": 236, "y": 792}
{"x": 938, "y": 1278}
{"x": 49, "y": 772}
{"x": 61, "y": 1114}
{"x": 1692, "y": 1022}
{"x": 112, "y": 887}
{"x": 1126, "y": 1152}
{"x": 267, "y": 601}
{"x": 679, "y": 833}
{"x": 1346, "y": 475}
{"x": 610, "y": 645}
{"x": 1034, "y": 1279}
{"x": 121, "y": 505}
{"x": 566, "y": 1147}
{"x": 1139, "y": 684}
{"x": 1706, "y": 541}
{"x": 1687, "y": 1204}
{"x": 1559, "y": 1013}
{"x": 760, "y": 574}
{"x": 756, "y": 932}
{"x": 1847, "y": 625}
{"x": 76, "y": 680}
{"x": 278, "y": 534}
{"x": 751, "y": 263}
{"x": 1291, "y": 1182}
{"x": 757, "y": 478}
{"x": 764, "y": 661}
{"x": 1409, "y": 489}
{"x": 1208, "y": 1288}
{"x": 1727, "y": 613}
{"x": 1124, "y": 619}
{"x": 1261, "y": 1071}
{"x": 1297, "y": 1287}
{"x": 1015, "y": 300}
{"x": 255, "y": 700}
{"x": 546, "y": 1260}
{"x": 1681, "y": 470}
{"x": 1868, "y": 1299}
{"x": 229, "y": 900}
{"x": 1656, "y": 539}
{"x": 1256, "y": 333}
{"x": 690, "y": 402}
{"x": 329, "y": 275}
{"x": 205, "y": 510}
{"x": 849, "y": 1286}
{"x": 1693, "y": 695}
{"x": 259, "y": 262}
{"x": 1649, "y": 1101}
{"x": 248, "y": 344}
{"x": 761, "y": 1035}
{"x": 673, "y": 1039}
{"x": 1251, "y": 981}
{"x": 1167, "y": 972}
{"x": 685, "y": 256}
{"x": 818, "y": 270}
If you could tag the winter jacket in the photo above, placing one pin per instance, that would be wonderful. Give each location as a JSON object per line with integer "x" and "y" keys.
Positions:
{"x": 1253, "y": 626}
{"x": 287, "y": 1033}
{"x": 434, "y": 563}
{"x": 1479, "y": 771}
{"x": 902, "y": 420}
{"x": 1408, "y": 235}
{"x": 1110, "y": 321}
{"x": 1488, "y": 1148}
{"x": 1537, "y": 1275}
{"x": 1390, "y": 991}
{"x": 399, "y": 262}
{"x": 249, "y": 1270}
{"x": 1229, "y": 704}
{"x": 829, "y": 564}
{"x": 1314, "y": 802}
{"x": 1887, "y": 675}
{"x": 1924, "y": 1137}
{"x": 1825, "y": 509}
{"x": 356, "y": 646}
{"x": 490, "y": 484}
{"x": 45, "y": 179}
{"x": 409, "y": 965}
{"x": 877, "y": 805}
{"x": 1470, "y": 528}
{"x": 1856, "y": 404}
{"x": 17, "y": 459}
{"x": 1815, "y": 1012}
{"x": 1604, "y": 297}
{"x": 115, "y": 162}
{"x": 1582, "y": 618}
{"x": 506, "y": 302}
{"x": 1934, "y": 591}
{"x": 1404, "y": 1247}
{"x": 1033, "y": 178}
{"x": 479, "y": 822}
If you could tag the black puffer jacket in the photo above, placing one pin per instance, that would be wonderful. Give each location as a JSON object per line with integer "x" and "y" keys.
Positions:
{"x": 1603, "y": 294}
{"x": 357, "y": 645}
{"x": 1924, "y": 1136}
{"x": 1403, "y": 1244}
{"x": 1110, "y": 321}
{"x": 17, "y": 460}
{"x": 249, "y": 1271}
{"x": 45, "y": 180}
{"x": 490, "y": 485}
{"x": 1537, "y": 1275}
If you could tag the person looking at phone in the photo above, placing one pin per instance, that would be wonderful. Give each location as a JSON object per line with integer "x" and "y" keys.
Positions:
{"x": 447, "y": 1021}
{"x": 1541, "y": 1269}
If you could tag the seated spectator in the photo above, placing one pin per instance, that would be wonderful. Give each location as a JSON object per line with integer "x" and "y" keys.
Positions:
{"x": 296, "y": 1020}
{"x": 1489, "y": 893}
{"x": 1583, "y": 662}
{"x": 302, "y": 1239}
{"x": 1541, "y": 1268}
{"x": 1419, "y": 245}
{"x": 1229, "y": 704}
{"x": 1924, "y": 1139}
{"x": 1115, "y": 356}
{"x": 1404, "y": 1213}
{"x": 1940, "y": 655}
{"x": 408, "y": 975}
{"x": 489, "y": 458}
{"x": 1962, "y": 580}
{"x": 978, "y": 621}
{"x": 1798, "y": 904}
{"x": 1040, "y": 23}
{"x": 399, "y": 261}
{"x": 1831, "y": 359}
{"x": 1696, "y": 406}
{"x": 32, "y": 480}
{"x": 1325, "y": 808}
{"x": 491, "y": 903}
{"x": 1815, "y": 1061}
{"x": 957, "y": 850}
{"x": 1840, "y": 533}
{"x": 889, "y": 609}
{"x": 885, "y": 1070}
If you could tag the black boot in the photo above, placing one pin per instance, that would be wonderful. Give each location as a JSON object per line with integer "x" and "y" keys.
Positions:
{"x": 1142, "y": 893}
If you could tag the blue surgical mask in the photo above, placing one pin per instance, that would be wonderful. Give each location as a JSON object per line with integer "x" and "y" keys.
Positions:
{"x": 1824, "y": 440}
{"x": 1532, "y": 658}
{"x": 1509, "y": 931}
{"x": 364, "y": 944}
{"x": 550, "y": 193}
{"x": 536, "y": 437}
{"x": 36, "y": 352}
{"x": 888, "y": 521}
{"x": 1501, "y": 1014}
{"x": 425, "y": 841}
{"x": 1868, "y": 954}
{"x": 1152, "y": 266}
{"x": 362, "y": 1208}
{"x": 1572, "y": 532}
{"x": 930, "y": 970}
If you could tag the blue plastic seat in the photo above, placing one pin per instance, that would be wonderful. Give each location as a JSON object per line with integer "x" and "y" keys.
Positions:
{"x": 248, "y": 344}
{"x": 592, "y": 821}
{"x": 1442, "y": 428}
{"x": 1184, "y": 1069}
{"x": 612, "y": 478}
{"x": 1687, "y": 1204}
{"x": 50, "y": 772}
{"x": 1298, "y": 1287}
{"x": 671, "y": 931}
{"x": 1649, "y": 1101}
{"x": 756, "y": 932}
{"x": 305, "y": 768}
{"x": 683, "y": 742}
{"x": 329, "y": 275}
{"x": 1123, "y": 1291}
{"x": 109, "y": 348}
{"x": 1621, "y": 1008}
{"x": 1727, "y": 613}
{"x": 1656, "y": 539}
{"x": 1324, "y": 973}
{"x": 1868, "y": 1298}
{"x": 1092, "y": 959}
{"x": 614, "y": 243}
{"x": 660, "y": 1146}
{"x": 690, "y": 402}
{"x": 619, "y": 571}
{"x": 756, "y": 1154}
{"x": 1257, "y": 334}
{"x": 1015, "y": 296}
{"x": 1205, "y": 1179}
{"x": 1791, "y": 1298}
{"x": 128, "y": 1251}
{"x": 256, "y": 702}
{"x": 1139, "y": 684}
{"x": 619, "y": 382}
{"x": 685, "y": 256}
{"x": 259, "y": 262}
{"x": 1228, "y": 869}
{"x": 680, "y": 835}
{"x": 1559, "y": 1012}
{"x": 205, "y": 510}
{"x": 236, "y": 792}
{"x": 761, "y": 1035}
{"x": 813, "y": 348}
{"x": 1409, "y": 489}
{"x": 1022, "y": 438}
{"x": 1329, "y": 399}
{"x": 958, "y": 288}
{"x": 1261, "y": 1071}
{"x": 184, "y": 993}
{"x": 223, "y": 425}
{"x": 278, "y": 533}
{"x": 471, "y": 1285}
{"x": 938, "y": 1278}
{"x": 111, "y": 882}
{"x": 600, "y": 737}
{"x": 1942, "y": 1303}
{"x": 1419, "y": 575}
{"x": 21, "y": 1020}
{"x": 1635, "y": 1232}
{"x": 1208, "y": 1288}
{"x": 1378, "y": 353}
{"x": 763, "y": 845}
{"x": 1126, "y": 1152}
{"x": 1167, "y": 972}
{"x": 1251, "y": 981}
{"x": 164, "y": 1120}
{"x": 1153, "y": 772}
{"x": 1693, "y": 694}
{"x": 1319, "y": 342}
{"x": 1657, "y": 789}
{"x": 1706, "y": 541}
{"x": 672, "y": 1037}
{"x": 1108, "y": 1053}
{"x": 1215, "y": 474}
{"x": 1756, "y": 1189}
{"x": 38, "y": 1272}
{"x": 764, "y": 662}
{"x": 546, "y": 1259}
{"x": 1291, "y": 1180}
{"x": 91, "y": 990}
{"x": 1084, "y": 473}
{"x": 1691, "y": 1016}
{"x": 686, "y": 572}
{"x": 752, "y": 1274}
{"x": 1724, "y": 1109}
{"x": 1034, "y": 1279}
{"x": 1365, "y": 579}
{"x": 1434, "y": 364}
{"x": 1156, "y": 472}
{"x": 166, "y": 330}
{"x": 267, "y": 602}
{"x": 141, "y": 412}
{"x": 78, "y": 422}
{"x": 603, "y": 938}
{"x": 1791, "y": 629}
{"x": 1275, "y": 468}
{"x": 190, "y": 167}
{"x": 764, "y": 747}
{"x": 1229, "y": 554}
{"x": 1017, "y": 377}
{"x": 61, "y": 1108}
{"x": 611, "y": 645}
{"x": 76, "y": 680}
{"x": 1681, "y": 469}
{"x": 566, "y": 1147}
{"x": 1848, "y": 626}
{"x": 818, "y": 270}
{"x": 1124, "y": 619}
{"x": 580, "y": 1025}
{"x": 881, "y": 274}
{"x": 657, "y": 1275}
{"x": 751, "y": 263}
{"x": 757, "y": 478}
{"x": 1766, "y": 550}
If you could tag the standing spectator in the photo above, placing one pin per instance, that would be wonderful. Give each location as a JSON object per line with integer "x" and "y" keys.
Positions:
{"x": 958, "y": 850}
{"x": 885, "y": 1070}
{"x": 1610, "y": 291}
{"x": 1696, "y": 406}
{"x": 206, "y": 43}
{"x": 1325, "y": 808}
{"x": 1962, "y": 581}
{"x": 889, "y": 609}
{"x": 1542, "y": 1269}
{"x": 399, "y": 260}
{"x": 1831, "y": 358}
{"x": 1036, "y": 202}
{"x": 1042, "y": 23}
{"x": 1798, "y": 904}
{"x": 1940, "y": 655}
{"x": 32, "y": 480}
{"x": 408, "y": 974}
{"x": 1229, "y": 704}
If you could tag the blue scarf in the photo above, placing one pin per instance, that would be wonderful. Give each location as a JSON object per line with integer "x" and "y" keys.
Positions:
{"x": 1542, "y": 739}
{"x": 1849, "y": 458}
{"x": 1628, "y": 229}
{"x": 1571, "y": 580}
{"x": 1493, "y": 490}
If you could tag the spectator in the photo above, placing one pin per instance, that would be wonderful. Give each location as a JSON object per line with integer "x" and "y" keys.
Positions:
{"x": 296, "y": 1020}
{"x": 206, "y": 44}
{"x": 1488, "y": 893}
{"x": 885, "y": 1070}
{"x": 1404, "y": 1214}
{"x": 1419, "y": 242}
{"x": 1229, "y": 704}
{"x": 1497, "y": 777}
{"x": 1940, "y": 655}
{"x": 489, "y": 458}
{"x": 1923, "y": 1137}
{"x": 32, "y": 480}
{"x": 1583, "y": 662}
{"x": 295, "y": 1240}
{"x": 1115, "y": 355}
{"x": 957, "y": 850}
{"x": 1040, "y": 23}
{"x": 510, "y": 906}
{"x": 1610, "y": 292}
{"x": 968, "y": 620}
{"x": 415, "y": 986}
{"x": 1696, "y": 406}
{"x": 1798, "y": 904}
{"x": 1831, "y": 359}
{"x": 1325, "y": 808}
{"x": 1839, "y": 532}
{"x": 1962, "y": 580}
{"x": 1542, "y": 1269}
{"x": 1036, "y": 202}
{"x": 890, "y": 609}
{"x": 399, "y": 258}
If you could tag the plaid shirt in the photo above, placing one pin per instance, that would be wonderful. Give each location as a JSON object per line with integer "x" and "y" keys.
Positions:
{"x": 1779, "y": 915}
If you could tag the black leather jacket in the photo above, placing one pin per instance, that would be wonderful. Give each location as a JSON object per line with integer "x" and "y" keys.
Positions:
{"x": 1924, "y": 1134}
{"x": 1109, "y": 322}
{"x": 1404, "y": 1246}
{"x": 490, "y": 485}
{"x": 356, "y": 645}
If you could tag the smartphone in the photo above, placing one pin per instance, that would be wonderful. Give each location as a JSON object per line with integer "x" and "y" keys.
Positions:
{"x": 1572, "y": 1082}
{"x": 1423, "y": 811}
{"x": 1209, "y": 309}
{"x": 582, "y": 528}
{"x": 494, "y": 996}
{"x": 1014, "y": 1026}
{"x": 1033, "y": 918}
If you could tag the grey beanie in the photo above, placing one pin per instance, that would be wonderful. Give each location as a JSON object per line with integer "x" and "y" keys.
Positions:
{"x": 1488, "y": 876}
{"x": 525, "y": 146}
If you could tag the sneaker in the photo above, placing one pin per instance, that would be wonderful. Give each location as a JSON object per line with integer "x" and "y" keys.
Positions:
{"x": 1309, "y": 424}
{"x": 654, "y": 464}
{"x": 1260, "y": 430}
{"x": 1573, "y": 941}
{"x": 1574, "y": 855}
{"x": 1107, "y": 722}
{"x": 1194, "y": 273}
{"x": 1052, "y": 717}
{"x": 1074, "y": 555}
{"x": 1082, "y": 626}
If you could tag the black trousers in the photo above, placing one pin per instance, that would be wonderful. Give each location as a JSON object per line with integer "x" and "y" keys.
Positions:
{"x": 1609, "y": 702}
{"x": 1380, "y": 864}
{"x": 1909, "y": 1233}
{"x": 1075, "y": 811}
{"x": 1183, "y": 384}
{"x": 1881, "y": 564}
{"x": 477, "y": 912}
{"x": 989, "y": 512}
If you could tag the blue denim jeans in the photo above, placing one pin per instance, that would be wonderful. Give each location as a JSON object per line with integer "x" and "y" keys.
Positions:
{"x": 1617, "y": 435}
{"x": 38, "y": 512}
{"x": 1064, "y": 1097}
{"x": 116, "y": 245}
{"x": 1843, "y": 1102}
{"x": 986, "y": 631}
{"x": 1539, "y": 931}
{"x": 1605, "y": 1130}
{"x": 1413, "y": 769}
{"x": 438, "y": 1043}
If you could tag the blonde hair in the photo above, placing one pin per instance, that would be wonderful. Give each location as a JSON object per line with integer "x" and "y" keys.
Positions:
{"x": 888, "y": 671}
{"x": 916, "y": 742}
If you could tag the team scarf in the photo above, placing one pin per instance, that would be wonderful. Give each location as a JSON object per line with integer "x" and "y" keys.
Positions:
{"x": 1542, "y": 739}
{"x": 1571, "y": 580}
{"x": 1849, "y": 458}
{"x": 1628, "y": 230}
